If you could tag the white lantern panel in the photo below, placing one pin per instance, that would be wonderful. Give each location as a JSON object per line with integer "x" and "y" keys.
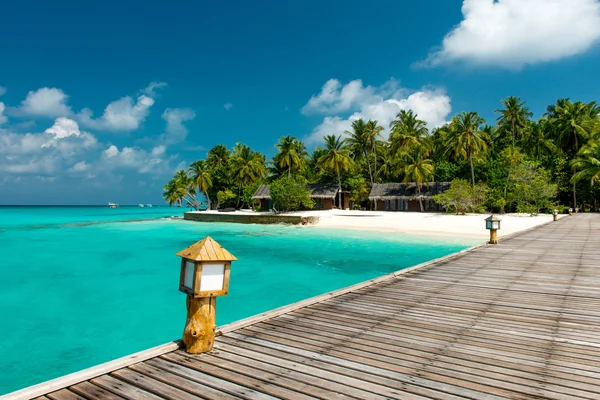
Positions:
{"x": 188, "y": 280}
{"x": 496, "y": 224}
{"x": 212, "y": 277}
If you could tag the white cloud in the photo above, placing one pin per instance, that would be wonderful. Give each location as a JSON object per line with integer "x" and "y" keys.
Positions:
{"x": 377, "y": 103}
{"x": 159, "y": 150}
{"x": 45, "y": 102}
{"x": 3, "y": 117}
{"x": 81, "y": 166}
{"x": 514, "y": 33}
{"x": 176, "y": 131}
{"x": 63, "y": 127}
{"x": 335, "y": 97}
{"x": 150, "y": 90}
{"x": 134, "y": 158}
{"x": 227, "y": 106}
{"x": 120, "y": 115}
{"x": 47, "y": 152}
{"x": 2, "y": 90}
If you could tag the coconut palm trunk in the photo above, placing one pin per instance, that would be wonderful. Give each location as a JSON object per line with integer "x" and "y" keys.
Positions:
{"x": 207, "y": 199}
{"x": 420, "y": 197}
{"x": 574, "y": 191}
{"x": 369, "y": 164}
{"x": 339, "y": 190}
{"x": 472, "y": 169}
{"x": 374, "y": 172}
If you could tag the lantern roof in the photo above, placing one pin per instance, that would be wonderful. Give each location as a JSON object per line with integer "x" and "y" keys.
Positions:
{"x": 493, "y": 218}
{"x": 206, "y": 249}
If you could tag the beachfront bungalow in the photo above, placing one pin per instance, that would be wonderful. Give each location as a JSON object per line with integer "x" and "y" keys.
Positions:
{"x": 325, "y": 196}
{"x": 403, "y": 196}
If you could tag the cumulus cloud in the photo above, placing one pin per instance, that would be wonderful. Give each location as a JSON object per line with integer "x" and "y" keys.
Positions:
{"x": 2, "y": 90}
{"x": 3, "y": 117}
{"x": 175, "y": 130}
{"x": 46, "y": 152}
{"x": 124, "y": 114}
{"x": 335, "y": 97}
{"x": 81, "y": 166}
{"x": 227, "y": 106}
{"x": 515, "y": 33}
{"x": 120, "y": 115}
{"x": 377, "y": 103}
{"x": 45, "y": 102}
{"x": 134, "y": 158}
{"x": 150, "y": 90}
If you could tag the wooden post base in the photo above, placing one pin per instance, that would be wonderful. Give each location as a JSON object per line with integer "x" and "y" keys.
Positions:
{"x": 493, "y": 236}
{"x": 200, "y": 325}
{"x": 555, "y": 218}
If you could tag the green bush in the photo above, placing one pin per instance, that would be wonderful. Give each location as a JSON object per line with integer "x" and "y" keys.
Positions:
{"x": 462, "y": 198}
{"x": 290, "y": 194}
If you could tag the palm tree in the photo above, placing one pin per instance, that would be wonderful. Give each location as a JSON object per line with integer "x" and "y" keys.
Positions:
{"x": 336, "y": 159}
{"x": 588, "y": 162}
{"x": 371, "y": 133}
{"x": 247, "y": 166}
{"x": 291, "y": 155}
{"x": 357, "y": 142}
{"x": 418, "y": 170}
{"x": 571, "y": 124}
{"x": 466, "y": 138}
{"x": 406, "y": 132}
{"x": 514, "y": 117}
{"x": 218, "y": 155}
{"x": 173, "y": 192}
{"x": 201, "y": 178}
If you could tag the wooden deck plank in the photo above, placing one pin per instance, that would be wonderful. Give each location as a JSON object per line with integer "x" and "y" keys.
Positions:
{"x": 518, "y": 320}
{"x": 91, "y": 391}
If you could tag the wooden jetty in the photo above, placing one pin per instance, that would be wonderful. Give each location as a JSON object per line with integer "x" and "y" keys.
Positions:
{"x": 519, "y": 320}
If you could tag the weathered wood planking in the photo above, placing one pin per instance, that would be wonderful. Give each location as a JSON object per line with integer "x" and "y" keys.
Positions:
{"x": 520, "y": 320}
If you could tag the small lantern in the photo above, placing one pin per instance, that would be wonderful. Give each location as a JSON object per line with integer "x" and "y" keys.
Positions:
{"x": 205, "y": 268}
{"x": 555, "y": 215}
{"x": 492, "y": 223}
{"x": 204, "y": 275}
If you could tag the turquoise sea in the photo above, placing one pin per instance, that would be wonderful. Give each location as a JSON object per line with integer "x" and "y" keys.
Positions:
{"x": 84, "y": 285}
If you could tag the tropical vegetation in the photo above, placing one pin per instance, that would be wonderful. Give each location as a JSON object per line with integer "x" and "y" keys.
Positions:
{"x": 514, "y": 164}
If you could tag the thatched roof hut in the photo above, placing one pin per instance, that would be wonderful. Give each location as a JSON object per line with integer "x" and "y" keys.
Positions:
{"x": 406, "y": 191}
{"x": 263, "y": 192}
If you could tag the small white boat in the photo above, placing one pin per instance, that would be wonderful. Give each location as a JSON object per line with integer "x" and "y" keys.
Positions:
{"x": 113, "y": 205}
{"x": 149, "y": 205}
{"x": 141, "y": 205}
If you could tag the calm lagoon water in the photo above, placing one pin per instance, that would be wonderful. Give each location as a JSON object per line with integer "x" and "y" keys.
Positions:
{"x": 84, "y": 285}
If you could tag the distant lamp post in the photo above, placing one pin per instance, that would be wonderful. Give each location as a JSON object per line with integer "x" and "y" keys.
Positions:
{"x": 570, "y": 211}
{"x": 555, "y": 215}
{"x": 492, "y": 223}
{"x": 205, "y": 268}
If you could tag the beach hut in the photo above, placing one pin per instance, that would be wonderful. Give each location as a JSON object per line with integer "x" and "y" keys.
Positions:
{"x": 325, "y": 196}
{"x": 404, "y": 197}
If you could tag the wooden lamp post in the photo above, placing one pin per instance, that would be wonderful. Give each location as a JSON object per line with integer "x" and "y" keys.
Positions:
{"x": 492, "y": 223}
{"x": 555, "y": 215}
{"x": 205, "y": 267}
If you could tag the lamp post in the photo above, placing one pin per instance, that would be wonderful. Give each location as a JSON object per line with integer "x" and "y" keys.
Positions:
{"x": 205, "y": 267}
{"x": 492, "y": 223}
{"x": 570, "y": 211}
{"x": 555, "y": 215}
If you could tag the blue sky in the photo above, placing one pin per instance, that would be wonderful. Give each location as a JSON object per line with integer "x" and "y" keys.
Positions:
{"x": 103, "y": 100}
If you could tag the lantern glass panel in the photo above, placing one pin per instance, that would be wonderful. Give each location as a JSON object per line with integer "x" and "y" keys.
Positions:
{"x": 213, "y": 275}
{"x": 496, "y": 225}
{"x": 188, "y": 280}
{"x": 488, "y": 224}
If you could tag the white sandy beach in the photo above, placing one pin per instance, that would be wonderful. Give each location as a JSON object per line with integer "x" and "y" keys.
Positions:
{"x": 426, "y": 223}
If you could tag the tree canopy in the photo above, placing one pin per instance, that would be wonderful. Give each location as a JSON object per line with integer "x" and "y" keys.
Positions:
{"x": 559, "y": 152}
